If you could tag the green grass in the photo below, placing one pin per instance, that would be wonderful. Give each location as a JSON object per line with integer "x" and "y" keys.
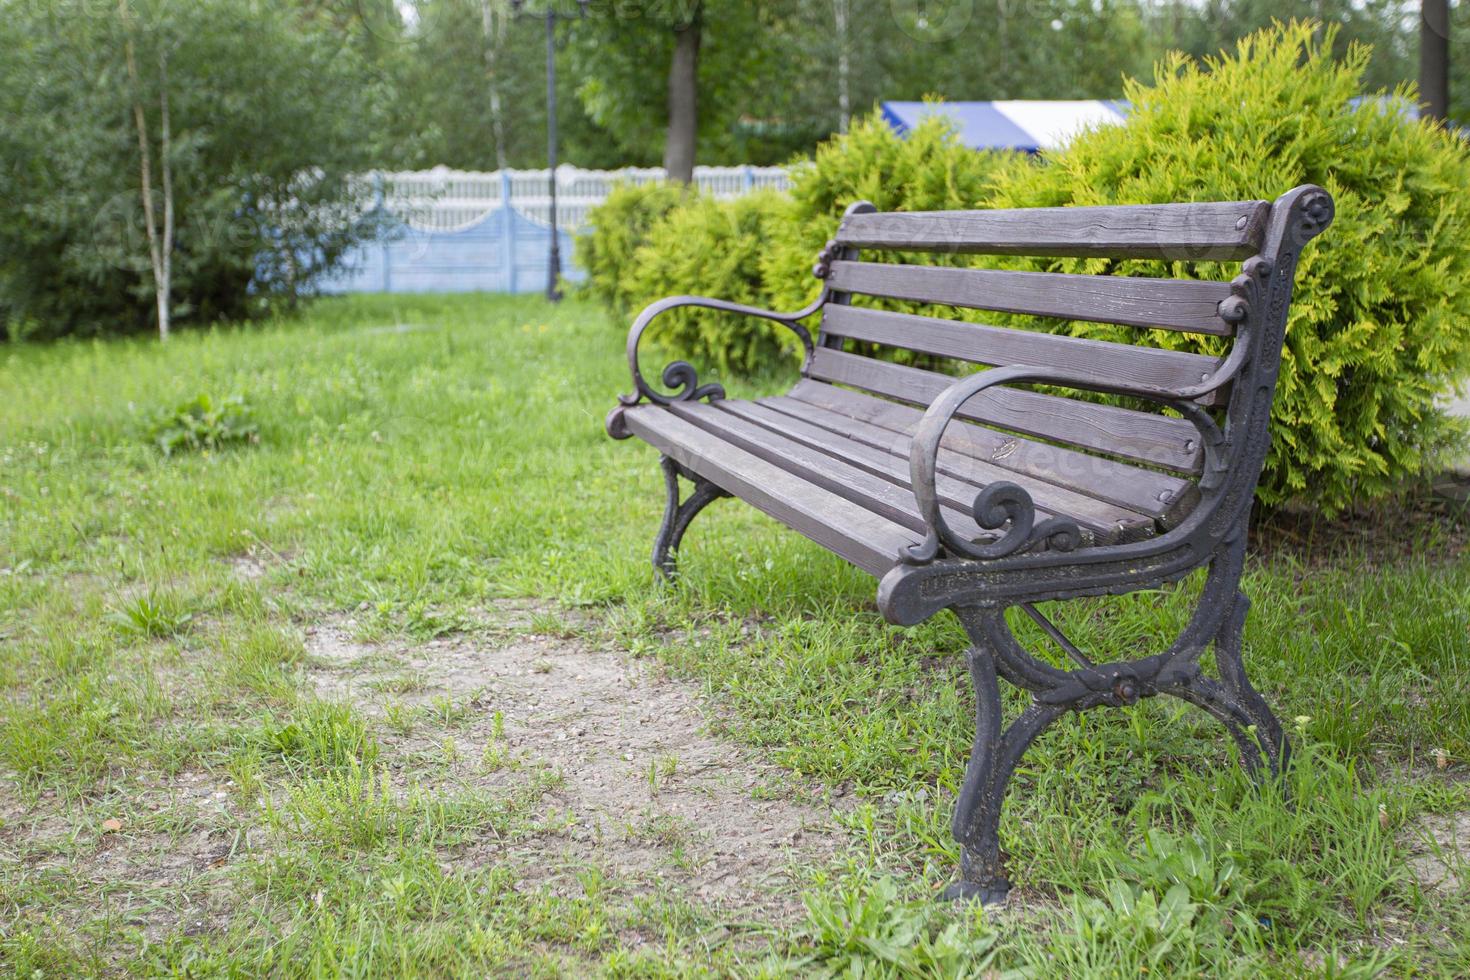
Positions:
{"x": 416, "y": 460}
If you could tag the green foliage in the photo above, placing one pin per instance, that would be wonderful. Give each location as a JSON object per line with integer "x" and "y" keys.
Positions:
{"x": 758, "y": 249}
{"x": 1380, "y": 323}
{"x": 928, "y": 169}
{"x": 152, "y": 614}
{"x": 714, "y": 248}
{"x": 202, "y": 423}
{"x": 864, "y": 929}
{"x": 616, "y": 229}
{"x": 321, "y": 735}
{"x": 268, "y": 119}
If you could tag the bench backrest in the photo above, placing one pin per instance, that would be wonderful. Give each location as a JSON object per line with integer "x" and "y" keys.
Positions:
{"x": 1224, "y": 232}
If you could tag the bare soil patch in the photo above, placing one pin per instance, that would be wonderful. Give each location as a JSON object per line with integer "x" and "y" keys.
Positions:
{"x": 652, "y": 799}
{"x": 1440, "y": 851}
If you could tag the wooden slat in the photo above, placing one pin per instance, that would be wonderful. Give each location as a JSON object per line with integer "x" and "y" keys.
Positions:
{"x": 1147, "y": 491}
{"x": 1138, "y": 436}
{"x": 882, "y": 496}
{"x": 1175, "y": 304}
{"x": 999, "y": 346}
{"x": 1210, "y": 230}
{"x": 959, "y": 478}
{"x": 865, "y": 539}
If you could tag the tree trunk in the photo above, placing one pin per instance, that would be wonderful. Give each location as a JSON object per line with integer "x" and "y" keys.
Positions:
{"x": 164, "y": 283}
{"x": 157, "y": 247}
{"x": 840, "y": 11}
{"x": 1434, "y": 57}
{"x": 683, "y": 100}
{"x": 492, "y": 28}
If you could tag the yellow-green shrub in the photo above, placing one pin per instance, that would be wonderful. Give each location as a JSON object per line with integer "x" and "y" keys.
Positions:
{"x": 616, "y": 228}
{"x": 1380, "y": 322}
{"x": 928, "y": 169}
{"x": 708, "y": 247}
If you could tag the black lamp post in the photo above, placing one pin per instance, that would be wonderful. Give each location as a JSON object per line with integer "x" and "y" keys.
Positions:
{"x": 553, "y": 267}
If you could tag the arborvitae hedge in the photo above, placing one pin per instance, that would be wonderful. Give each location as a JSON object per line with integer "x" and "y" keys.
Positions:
{"x": 1380, "y": 325}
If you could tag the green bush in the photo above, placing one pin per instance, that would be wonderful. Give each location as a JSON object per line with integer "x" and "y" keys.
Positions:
{"x": 708, "y": 247}
{"x": 928, "y": 169}
{"x": 1380, "y": 323}
{"x": 271, "y": 115}
{"x": 616, "y": 229}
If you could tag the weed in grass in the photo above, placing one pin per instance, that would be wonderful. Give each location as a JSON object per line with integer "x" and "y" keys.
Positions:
{"x": 660, "y": 771}
{"x": 445, "y": 711}
{"x": 321, "y": 735}
{"x": 204, "y": 423}
{"x": 862, "y": 928}
{"x": 156, "y": 614}
{"x": 399, "y": 717}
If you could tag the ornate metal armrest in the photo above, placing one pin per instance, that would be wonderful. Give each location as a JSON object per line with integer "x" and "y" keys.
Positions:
{"x": 1003, "y": 503}
{"x": 680, "y": 376}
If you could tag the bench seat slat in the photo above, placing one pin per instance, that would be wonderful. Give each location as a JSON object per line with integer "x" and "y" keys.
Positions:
{"x": 1138, "y": 436}
{"x": 1000, "y": 346}
{"x": 1205, "y": 231}
{"x": 867, "y": 540}
{"x": 959, "y": 478}
{"x": 882, "y": 496}
{"x": 1177, "y": 304}
{"x": 1160, "y": 495}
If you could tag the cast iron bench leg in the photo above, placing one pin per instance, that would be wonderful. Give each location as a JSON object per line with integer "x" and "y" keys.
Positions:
{"x": 1218, "y": 621}
{"x": 678, "y": 515}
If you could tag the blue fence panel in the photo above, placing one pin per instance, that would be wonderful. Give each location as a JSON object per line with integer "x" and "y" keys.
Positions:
{"x": 503, "y": 252}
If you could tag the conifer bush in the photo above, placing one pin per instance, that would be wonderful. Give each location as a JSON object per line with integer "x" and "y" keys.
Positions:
{"x": 1380, "y": 320}
{"x": 616, "y": 229}
{"x": 709, "y": 247}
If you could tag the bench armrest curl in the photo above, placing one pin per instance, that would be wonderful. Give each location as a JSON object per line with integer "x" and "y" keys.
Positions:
{"x": 1003, "y": 503}
{"x": 679, "y": 376}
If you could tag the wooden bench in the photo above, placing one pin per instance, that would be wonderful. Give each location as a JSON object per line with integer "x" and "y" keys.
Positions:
{"x": 976, "y": 493}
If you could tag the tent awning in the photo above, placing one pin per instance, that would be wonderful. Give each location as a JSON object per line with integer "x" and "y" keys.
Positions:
{"x": 1029, "y": 125}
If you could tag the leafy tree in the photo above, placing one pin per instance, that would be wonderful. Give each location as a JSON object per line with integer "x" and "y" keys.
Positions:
{"x": 267, "y": 119}
{"x": 673, "y": 75}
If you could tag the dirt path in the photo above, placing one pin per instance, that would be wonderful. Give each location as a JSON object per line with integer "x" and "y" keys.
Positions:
{"x": 653, "y": 800}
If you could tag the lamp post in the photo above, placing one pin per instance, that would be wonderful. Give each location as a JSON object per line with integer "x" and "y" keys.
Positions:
{"x": 553, "y": 258}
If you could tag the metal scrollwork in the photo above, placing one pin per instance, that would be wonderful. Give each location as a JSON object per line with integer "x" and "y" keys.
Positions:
{"x": 830, "y": 253}
{"x": 997, "y": 506}
{"x": 1005, "y": 504}
{"x": 679, "y": 377}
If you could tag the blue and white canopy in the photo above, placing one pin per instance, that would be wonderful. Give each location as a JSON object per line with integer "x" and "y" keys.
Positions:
{"x": 1028, "y": 125}
{"x": 1035, "y": 125}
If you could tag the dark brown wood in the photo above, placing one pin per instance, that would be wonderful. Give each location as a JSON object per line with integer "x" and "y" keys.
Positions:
{"x": 867, "y": 540}
{"x": 999, "y": 346}
{"x": 1173, "y": 304}
{"x": 1138, "y": 436}
{"x": 1212, "y": 230}
{"x": 883, "y": 496}
{"x": 1159, "y": 495}
{"x": 885, "y": 453}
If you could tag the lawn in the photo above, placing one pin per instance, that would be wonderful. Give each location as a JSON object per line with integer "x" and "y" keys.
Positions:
{"x": 386, "y": 688}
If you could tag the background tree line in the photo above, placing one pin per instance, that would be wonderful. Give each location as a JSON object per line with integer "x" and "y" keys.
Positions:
{"x": 775, "y": 77}
{"x": 194, "y": 160}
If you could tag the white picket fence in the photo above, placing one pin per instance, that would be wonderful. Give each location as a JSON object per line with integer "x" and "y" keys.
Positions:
{"x": 445, "y": 200}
